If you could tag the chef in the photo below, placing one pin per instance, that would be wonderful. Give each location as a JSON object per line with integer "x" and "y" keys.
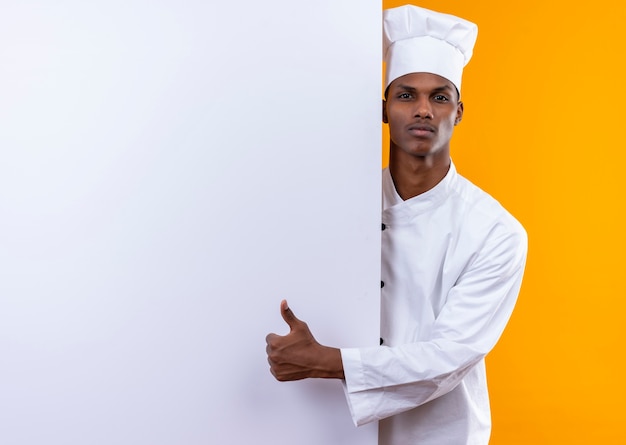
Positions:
{"x": 452, "y": 259}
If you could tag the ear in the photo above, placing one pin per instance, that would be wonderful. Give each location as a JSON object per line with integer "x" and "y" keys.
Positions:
{"x": 385, "y": 119}
{"x": 459, "y": 113}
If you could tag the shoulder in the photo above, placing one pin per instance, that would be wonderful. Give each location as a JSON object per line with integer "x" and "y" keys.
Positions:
{"x": 481, "y": 213}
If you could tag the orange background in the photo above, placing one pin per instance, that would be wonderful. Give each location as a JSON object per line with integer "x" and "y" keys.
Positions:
{"x": 544, "y": 105}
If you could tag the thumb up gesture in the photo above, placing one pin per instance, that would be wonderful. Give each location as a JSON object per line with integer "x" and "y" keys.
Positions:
{"x": 298, "y": 355}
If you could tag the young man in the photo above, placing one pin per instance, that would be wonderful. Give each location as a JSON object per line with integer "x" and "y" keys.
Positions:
{"x": 452, "y": 259}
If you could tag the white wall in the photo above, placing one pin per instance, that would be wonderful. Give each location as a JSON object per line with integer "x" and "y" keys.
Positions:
{"x": 169, "y": 171}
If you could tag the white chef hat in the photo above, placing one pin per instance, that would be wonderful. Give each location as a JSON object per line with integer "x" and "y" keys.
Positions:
{"x": 418, "y": 40}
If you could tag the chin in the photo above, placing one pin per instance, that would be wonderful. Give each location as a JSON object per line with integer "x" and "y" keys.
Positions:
{"x": 422, "y": 152}
{"x": 418, "y": 150}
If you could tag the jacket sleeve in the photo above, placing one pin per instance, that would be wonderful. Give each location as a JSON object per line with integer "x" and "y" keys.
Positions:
{"x": 384, "y": 381}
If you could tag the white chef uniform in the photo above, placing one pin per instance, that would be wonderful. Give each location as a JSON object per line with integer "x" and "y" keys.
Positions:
{"x": 453, "y": 260}
{"x": 452, "y": 265}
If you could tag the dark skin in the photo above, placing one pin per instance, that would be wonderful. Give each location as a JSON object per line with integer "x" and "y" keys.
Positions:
{"x": 298, "y": 355}
{"x": 422, "y": 110}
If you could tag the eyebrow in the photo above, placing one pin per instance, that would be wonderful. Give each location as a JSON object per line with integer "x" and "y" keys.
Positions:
{"x": 442, "y": 88}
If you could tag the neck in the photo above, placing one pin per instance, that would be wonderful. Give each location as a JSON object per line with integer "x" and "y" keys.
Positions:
{"x": 414, "y": 175}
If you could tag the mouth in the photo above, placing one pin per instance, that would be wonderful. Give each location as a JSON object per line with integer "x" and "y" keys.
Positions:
{"x": 421, "y": 130}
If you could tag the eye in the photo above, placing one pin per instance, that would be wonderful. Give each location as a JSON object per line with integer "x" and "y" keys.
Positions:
{"x": 441, "y": 98}
{"x": 405, "y": 96}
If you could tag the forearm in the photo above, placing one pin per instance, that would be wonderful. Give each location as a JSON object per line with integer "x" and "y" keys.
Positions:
{"x": 390, "y": 382}
{"x": 329, "y": 364}
{"x": 434, "y": 365}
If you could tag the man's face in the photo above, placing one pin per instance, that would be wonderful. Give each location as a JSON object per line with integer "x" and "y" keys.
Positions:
{"x": 422, "y": 110}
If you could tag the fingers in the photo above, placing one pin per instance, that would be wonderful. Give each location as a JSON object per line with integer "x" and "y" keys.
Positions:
{"x": 288, "y": 315}
{"x": 289, "y": 356}
{"x": 270, "y": 338}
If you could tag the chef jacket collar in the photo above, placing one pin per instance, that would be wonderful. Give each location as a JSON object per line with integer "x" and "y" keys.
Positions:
{"x": 421, "y": 203}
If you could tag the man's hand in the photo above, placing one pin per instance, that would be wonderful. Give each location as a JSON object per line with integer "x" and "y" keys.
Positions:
{"x": 298, "y": 355}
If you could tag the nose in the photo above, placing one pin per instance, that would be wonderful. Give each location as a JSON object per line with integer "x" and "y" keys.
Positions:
{"x": 423, "y": 109}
